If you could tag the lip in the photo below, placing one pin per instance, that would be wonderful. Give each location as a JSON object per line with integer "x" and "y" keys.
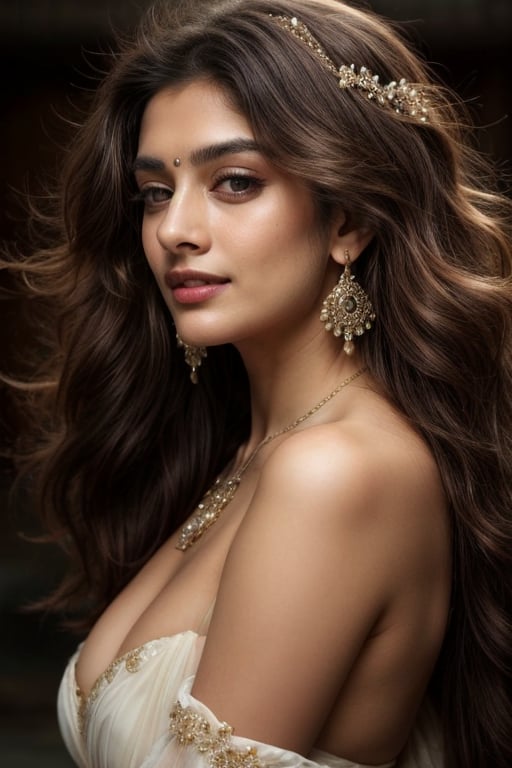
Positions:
{"x": 190, "y": 286}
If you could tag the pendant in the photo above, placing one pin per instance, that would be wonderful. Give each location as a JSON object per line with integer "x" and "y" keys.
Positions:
{"x": 208, "y": 511}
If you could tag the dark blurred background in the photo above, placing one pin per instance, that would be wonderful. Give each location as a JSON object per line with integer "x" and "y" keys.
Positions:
{"x": 50, "y": 58}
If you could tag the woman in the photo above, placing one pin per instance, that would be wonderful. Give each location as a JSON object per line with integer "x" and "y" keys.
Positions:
{"x": 304, "y": 534}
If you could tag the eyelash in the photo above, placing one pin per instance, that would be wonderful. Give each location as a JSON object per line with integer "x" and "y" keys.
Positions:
{"x": 144, "y": 196}
{"x": 254, "y": 184}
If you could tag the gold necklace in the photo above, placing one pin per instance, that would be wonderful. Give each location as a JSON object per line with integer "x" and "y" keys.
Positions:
{"x": 221, "y": 493}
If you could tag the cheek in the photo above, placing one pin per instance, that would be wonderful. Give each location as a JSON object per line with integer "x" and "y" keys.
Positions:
{"x": 150, "y": 245}
{"x": 295, "y": 226}
{"x": 280, "y": 221}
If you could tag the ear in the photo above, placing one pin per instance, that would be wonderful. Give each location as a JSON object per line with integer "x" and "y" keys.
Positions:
{"x": 346, "y": 236}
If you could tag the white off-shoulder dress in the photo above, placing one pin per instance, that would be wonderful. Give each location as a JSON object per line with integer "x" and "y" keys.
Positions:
{"x": 140, "y": 714}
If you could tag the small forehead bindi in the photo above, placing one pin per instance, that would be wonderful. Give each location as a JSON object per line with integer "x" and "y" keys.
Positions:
{"x": 200, "y": 156}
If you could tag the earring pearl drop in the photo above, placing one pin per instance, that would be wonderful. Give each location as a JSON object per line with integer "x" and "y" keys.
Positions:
{"x": 347, "y": 311}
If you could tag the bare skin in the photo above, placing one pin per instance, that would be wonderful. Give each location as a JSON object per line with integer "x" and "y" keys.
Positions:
{"x": 330, "y": 569}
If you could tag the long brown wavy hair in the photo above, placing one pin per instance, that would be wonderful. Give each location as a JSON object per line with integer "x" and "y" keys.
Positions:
{"x": 126, "y": 446}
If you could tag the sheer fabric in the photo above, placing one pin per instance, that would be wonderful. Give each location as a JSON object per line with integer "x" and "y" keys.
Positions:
{"x": 125, "y": 721}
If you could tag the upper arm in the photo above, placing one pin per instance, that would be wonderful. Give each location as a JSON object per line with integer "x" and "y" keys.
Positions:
{"x": 312, "y": 568}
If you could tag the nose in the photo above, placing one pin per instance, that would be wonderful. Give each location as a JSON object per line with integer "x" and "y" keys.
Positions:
{"x": 184, "y": 227}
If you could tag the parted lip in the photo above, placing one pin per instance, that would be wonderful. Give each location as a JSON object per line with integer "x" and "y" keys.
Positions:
{"x": 178, "y": 277}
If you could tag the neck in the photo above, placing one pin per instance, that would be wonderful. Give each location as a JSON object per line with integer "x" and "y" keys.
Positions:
{"x": 286, "y": 381}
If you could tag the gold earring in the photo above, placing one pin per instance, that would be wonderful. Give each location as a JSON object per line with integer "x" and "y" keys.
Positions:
{"x": 193, "y": 357}
{"x": 347, "y": 311}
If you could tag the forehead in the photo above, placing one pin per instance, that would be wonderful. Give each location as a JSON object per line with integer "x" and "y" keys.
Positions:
{"x": 180, "y": 118}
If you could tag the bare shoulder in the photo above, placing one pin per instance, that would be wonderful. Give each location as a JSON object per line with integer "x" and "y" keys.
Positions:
{"x": 343, "y": 541}
{"x": 367, "y": 454}
{"x": 369, "y": 475}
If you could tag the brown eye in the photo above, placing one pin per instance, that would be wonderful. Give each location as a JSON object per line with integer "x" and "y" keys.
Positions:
{"x": 237, "y": 186}
{"x": 154, "y": 196}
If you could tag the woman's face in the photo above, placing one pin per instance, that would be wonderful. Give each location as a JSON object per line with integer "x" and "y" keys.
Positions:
{"x": 232, "y": 241}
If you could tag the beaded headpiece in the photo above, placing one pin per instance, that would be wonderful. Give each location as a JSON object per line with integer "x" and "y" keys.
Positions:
{"x": 403, "y": 97}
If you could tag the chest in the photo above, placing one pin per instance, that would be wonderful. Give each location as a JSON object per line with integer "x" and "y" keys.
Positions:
{"x": 173, "y": 593}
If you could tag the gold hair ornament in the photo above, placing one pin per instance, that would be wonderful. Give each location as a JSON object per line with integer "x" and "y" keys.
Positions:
{"x": 403, "y": 97}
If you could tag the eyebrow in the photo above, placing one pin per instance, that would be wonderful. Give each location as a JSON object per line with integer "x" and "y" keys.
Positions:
{"x": 200, "y": 156}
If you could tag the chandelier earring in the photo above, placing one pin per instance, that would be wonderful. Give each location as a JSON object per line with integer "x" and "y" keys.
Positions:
{"x": 347, "y": 311}
{"x": 193, "y": 357}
